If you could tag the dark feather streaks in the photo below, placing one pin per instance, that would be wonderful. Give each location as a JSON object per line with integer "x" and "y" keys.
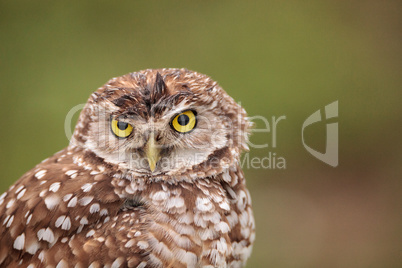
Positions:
{"x": 159, "y": 88}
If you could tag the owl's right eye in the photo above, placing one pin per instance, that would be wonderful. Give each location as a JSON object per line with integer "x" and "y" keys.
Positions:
{"x": 121, "y": 129}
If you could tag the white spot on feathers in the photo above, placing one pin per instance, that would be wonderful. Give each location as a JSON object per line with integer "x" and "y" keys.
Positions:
{"x": 103, "y": 212}
{"x": 2, "y": 197}
{"x": 244, "y": 218}
{"x": 29, "y": 218}
{"x": 224, "y": 205}
{"x": 95, "y": 264}
{"x": 90, "y": 233}
{"x": 226, "y": 177}
{"x": 54, "y": 187}
{"x": 67, "y": 197}
{"x": 64, "y": 222}
{"x": 8, "y": 220}
{"x": 94, "y": 208}
{"x": 242, "y": 200}
{"x": 85, "y": 200}
{"x": 72, "y": 203}
{"x": 10, "y": 203}
{"x": 52, "y": 201}
{"x": 84, "y": 220}
{"x": 130, "y": 243}
{"x": 32, "y": 248}
{"x": 221, "y": 245}
{"x": 207, "y": 234}
{"x": 203, "y": 204}
{"x": 160, "y": 195}
{"x": 39, "y": 175}
{"x": 233, "y": 219}
{"x": 142, "y": 265}
{"x": 71, "y": 172}
{"x": 119, "y": 261}
{"x": 19, "y": 189}
{"x": 43, "y": 193}
{"x": 188, "y": 258}
{"x": 46, "y": 235}
{"x": 19, "y": 242}
{"x": 175, "y": 201}
{"x": 223, "y": 227}
{"x": 62, "y": 264}
{"x": 143, "y": 244}
{"x": 21, "y": 194}
{"x": 41, "y": 256}
{"x": 87, "y": 187}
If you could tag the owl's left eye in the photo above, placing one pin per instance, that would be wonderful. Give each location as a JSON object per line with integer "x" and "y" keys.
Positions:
{"x": 121, "y": 129}
{"x": 185, "y": 121}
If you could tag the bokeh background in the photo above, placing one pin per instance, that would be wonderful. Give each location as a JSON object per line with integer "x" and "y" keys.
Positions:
{"x": 277, "y": 58}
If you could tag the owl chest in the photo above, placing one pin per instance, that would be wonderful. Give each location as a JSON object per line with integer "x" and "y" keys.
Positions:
{"x": 190, "y": 227}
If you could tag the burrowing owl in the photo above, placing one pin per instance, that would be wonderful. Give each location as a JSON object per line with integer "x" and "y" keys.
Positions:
{"x": 151, "y": 178}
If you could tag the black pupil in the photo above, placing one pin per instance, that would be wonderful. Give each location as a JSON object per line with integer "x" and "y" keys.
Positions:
{"x": 122, "y": 125}
{"x": 183, "y": 120}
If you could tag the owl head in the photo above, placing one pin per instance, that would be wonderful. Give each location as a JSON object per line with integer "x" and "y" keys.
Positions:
{"x": 164, "y": 122}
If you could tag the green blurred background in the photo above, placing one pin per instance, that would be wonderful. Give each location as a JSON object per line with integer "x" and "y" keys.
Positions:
{"x": 277, "y": 58}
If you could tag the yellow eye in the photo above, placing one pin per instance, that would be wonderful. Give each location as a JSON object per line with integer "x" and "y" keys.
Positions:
{"x": 121, "y": 129}
{"x": 184, "y": 122}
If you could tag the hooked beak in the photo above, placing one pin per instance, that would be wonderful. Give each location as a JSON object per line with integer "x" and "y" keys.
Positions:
{"x": 152, "y": 151}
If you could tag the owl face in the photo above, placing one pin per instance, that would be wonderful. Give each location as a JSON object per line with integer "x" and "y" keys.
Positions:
{"x": 167, "y": 121}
